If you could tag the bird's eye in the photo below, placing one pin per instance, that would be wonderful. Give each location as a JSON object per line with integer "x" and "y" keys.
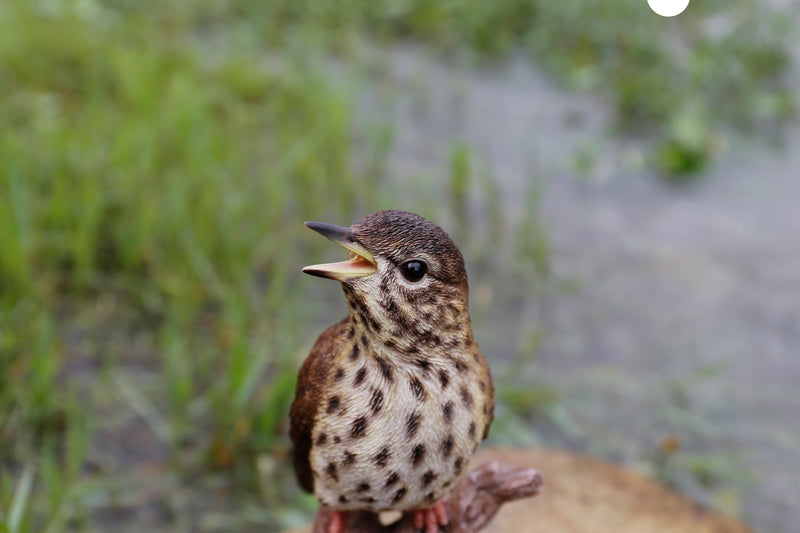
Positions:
{"x": 414, "y": 271}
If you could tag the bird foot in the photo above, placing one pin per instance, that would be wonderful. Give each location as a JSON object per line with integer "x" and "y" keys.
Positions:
{"x": 431, "y": 518}
{"x": 337, "y": 522}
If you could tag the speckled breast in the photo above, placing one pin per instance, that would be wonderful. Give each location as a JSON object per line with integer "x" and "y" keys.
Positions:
{"x": 396, "y": 436}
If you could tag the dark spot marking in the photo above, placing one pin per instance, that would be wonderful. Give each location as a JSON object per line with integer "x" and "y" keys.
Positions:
{"x": 377, "y": 400}
{"x": 364, "y": 341}
{"x": 358, "y": 301}
{"x": 351, "y": 332}
{"x": 382, "y": 456}
{"x": 374, "y": 324}
{"x": 417, "y": 389}
{"x": 399, "y": 495}
{"x": 362, "y": 373}
{"x": 385, "y": 287}
{"x": 424, "y": 364}
{"x": 482, "y": 386}
{"x": 412, "y": 424}
{"x": 331, "y": 471}
{"x": 418, "y": 454}
{"x": 339, "y": 374}
{"x": 390, "y": 344}
{"x": 429, "y": 497}
{"x": 342, "y": 498}
{"x": 359, "y": 427}
{"x": 461, "y": 367}
{"x": 472, "y": 429}
{"x": 444, "y": 377}
{"x": 363, "y": 487}
{"x": 413, "y": 350}
{"x": 321, "y": 439}
{"x": 475, "y": 356}
{"x": 466, "y": 397}
{"x": 337, "y": 439}
{"x": 428, "y": 477}
{"x": 355, "y": 353}
{"x": 458, "y": 464}
{"x": 447, "y": 410}
{"x": 333, "y": 404}
{"x": 431, "y": 338}
{"x": 349, "y": 457}
{"x": 389, "y": 304}
{"x": 367, "y": 500}
{"x": 447, "y": 445}
{"x": 393, "y": 478}
{"x": 386, "y": 368}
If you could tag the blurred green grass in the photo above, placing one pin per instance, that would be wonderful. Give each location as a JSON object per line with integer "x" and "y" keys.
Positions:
{"x": 156, "y": 162}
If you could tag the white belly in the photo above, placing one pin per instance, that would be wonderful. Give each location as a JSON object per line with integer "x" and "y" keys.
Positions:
{"x": 396, "y": 440}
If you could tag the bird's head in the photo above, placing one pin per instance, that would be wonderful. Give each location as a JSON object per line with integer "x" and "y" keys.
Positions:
{"x": 404, "y": 277}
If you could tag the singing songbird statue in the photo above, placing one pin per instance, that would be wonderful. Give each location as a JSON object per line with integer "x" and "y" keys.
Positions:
{"x": 393, "y": 400}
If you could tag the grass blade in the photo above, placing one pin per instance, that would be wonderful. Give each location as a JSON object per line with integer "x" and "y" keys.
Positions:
{"x": 20, "y": 500}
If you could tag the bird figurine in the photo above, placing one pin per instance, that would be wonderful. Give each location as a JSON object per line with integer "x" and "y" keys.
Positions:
{"x": 393, "y": 400}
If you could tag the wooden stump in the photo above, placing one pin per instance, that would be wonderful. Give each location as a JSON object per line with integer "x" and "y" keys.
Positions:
{"x": 471, "y": 505}
{"x": 581, "y": 495}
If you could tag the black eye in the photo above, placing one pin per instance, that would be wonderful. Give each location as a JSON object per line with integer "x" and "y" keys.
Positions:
{"x": 414, "y": 270}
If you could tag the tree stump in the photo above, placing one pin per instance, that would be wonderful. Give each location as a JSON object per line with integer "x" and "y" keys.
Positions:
{"x": 583, "y": 495}
{"x": 470, "y": 507}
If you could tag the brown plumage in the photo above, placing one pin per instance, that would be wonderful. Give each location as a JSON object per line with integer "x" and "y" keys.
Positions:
{"x": 393, "y": 400}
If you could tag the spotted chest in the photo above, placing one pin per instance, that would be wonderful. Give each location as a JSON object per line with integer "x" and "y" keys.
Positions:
{"x": 396, "y": 436}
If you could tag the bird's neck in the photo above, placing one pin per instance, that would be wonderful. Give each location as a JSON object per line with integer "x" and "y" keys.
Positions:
{"x": 402, "y": 332}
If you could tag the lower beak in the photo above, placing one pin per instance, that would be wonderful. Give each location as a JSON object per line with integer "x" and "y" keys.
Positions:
{"x": 361, "y": 263}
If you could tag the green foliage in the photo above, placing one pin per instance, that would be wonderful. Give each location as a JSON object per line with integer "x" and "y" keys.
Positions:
{"x": 723, "y": 60}
{"x": 460, "y": 184}
{"x": 136, "y": 165}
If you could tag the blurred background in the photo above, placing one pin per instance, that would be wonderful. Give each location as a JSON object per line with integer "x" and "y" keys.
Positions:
{"x": 624, "y": 189}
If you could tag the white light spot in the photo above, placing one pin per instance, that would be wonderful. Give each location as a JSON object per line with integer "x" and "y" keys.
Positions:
{"x": 668, "y": 8}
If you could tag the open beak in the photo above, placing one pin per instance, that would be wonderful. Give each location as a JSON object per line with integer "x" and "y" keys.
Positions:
{"x": 361, "y": 263}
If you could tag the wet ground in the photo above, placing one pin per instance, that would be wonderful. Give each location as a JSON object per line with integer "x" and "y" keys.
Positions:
{"x": 682, "y": 322}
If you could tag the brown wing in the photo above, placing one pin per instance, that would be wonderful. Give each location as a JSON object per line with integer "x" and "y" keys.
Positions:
{"x": 488, "y": 406}
{"x": 311, "y": 383}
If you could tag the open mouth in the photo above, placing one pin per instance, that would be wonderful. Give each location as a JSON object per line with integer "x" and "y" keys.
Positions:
{"x": 360, "y": 263}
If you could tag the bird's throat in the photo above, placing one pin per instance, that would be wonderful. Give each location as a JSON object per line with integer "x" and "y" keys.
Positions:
{"x": 400, "y": 332}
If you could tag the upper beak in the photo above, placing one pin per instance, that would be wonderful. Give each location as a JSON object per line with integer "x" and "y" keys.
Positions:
{"x": 361, "y": 263}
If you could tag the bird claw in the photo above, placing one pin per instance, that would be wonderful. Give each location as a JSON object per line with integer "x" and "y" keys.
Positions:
{"x": 431, "y": 519}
